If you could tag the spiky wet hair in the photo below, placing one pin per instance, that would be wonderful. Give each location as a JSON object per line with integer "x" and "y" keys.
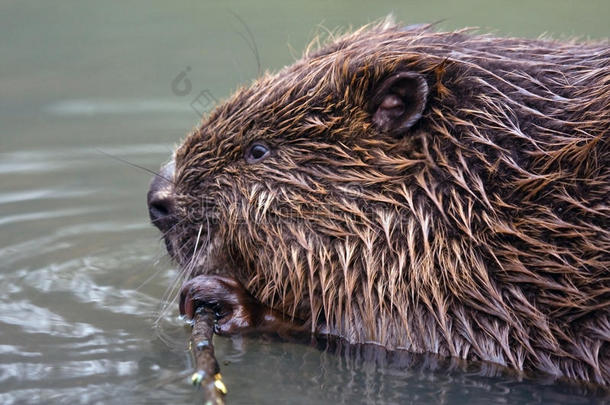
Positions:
{"x": 480, "y": 230}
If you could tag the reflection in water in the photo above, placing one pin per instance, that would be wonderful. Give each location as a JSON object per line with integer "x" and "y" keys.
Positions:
{"x": 257, "y": 369}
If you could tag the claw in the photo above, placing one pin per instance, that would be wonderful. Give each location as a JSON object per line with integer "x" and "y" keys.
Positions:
{"x": 181, "y": 304}
{"x": 186, "y": 302}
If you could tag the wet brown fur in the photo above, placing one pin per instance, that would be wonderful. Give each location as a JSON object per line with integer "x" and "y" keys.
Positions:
{"x": 482, "y": 232}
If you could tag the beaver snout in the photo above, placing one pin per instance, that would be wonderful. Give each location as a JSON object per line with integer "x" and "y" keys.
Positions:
{"x": 161, "y": 199}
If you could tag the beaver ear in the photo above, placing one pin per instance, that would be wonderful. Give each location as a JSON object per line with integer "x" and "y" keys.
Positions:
{"x": 399, "y": 101}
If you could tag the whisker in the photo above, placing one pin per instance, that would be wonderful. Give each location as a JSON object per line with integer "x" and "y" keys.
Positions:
{"x": 164, "y": 234}
{"x": 171, "y": 295}
{"x": 149, "y": 279}
{"x": 137, "y": 166}
{"x": 197, "y": 240}
{"x": 252, "y": 43}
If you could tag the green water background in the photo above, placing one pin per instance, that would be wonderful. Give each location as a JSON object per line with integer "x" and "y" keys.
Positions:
{"x": 83, "y": 273}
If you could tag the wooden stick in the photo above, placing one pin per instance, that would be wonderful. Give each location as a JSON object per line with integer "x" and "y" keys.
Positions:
{"x": 208, "y": 371}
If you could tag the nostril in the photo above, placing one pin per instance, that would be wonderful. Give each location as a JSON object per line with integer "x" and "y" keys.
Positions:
{"x": 160, "y": 209}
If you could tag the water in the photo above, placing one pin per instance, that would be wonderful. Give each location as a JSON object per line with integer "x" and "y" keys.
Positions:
{"x": 84, "y": 275}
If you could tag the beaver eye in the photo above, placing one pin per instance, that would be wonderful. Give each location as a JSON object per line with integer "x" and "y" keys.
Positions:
{"x": 256, "y": 152}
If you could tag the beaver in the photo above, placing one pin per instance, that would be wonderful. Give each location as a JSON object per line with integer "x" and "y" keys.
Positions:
{"x": 443, "y": 192}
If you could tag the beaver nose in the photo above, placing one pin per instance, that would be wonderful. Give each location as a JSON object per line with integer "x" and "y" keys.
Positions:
{"x": 161, "y": 200}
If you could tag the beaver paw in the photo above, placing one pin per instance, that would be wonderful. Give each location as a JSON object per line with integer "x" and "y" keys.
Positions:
{"x": 233, "y": 305}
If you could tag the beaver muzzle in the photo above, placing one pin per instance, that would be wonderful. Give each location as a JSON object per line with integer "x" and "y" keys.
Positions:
{"x": 160, "y": 199}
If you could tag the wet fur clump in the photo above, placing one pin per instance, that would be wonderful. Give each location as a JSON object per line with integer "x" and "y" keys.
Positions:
{"x": 480, "y": 230}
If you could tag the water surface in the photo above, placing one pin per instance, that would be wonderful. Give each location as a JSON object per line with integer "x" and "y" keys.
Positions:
{"x": 83, "y": 274}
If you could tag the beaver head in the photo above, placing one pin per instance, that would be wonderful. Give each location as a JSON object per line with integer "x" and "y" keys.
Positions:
{"x": 439, "y": 192}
